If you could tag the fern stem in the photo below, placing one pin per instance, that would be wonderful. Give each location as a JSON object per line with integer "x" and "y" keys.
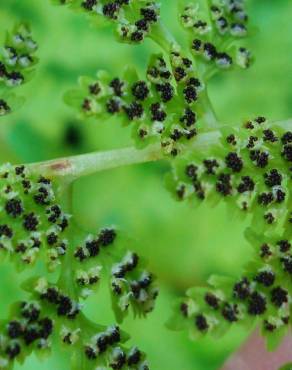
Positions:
{"x": 71, "y": 168}
{"x": 74, "y": 167}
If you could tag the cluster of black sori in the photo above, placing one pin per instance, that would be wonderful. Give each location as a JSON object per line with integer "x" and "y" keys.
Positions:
{"x": 251, "y": 170}
{"x": 134, "y": 18}
{"x": 103, "y": 347}
{"x": 16, "y": 62}
{"x": 28, "y": 329}
{"x": 165, "y": 106}
{"x": 92, "y": 245}
{"x": 264, "y": 291}
{"x": 132, "y": 284}
{"x": 228, "y": 21}
{"x": 52, "y": 295}
{"x": 106, "y": 345}
{"x": 32, "y": 223}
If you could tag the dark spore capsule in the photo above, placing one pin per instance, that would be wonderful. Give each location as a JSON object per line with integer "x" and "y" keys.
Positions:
{"x": 134, "y": 357}
{"x": 189, "y": 118}
{"x": 280, "y": 196}
{"x": 3, "y": 71}
{"x": 234, "y": 162}
{"x": 287, "y": 152}
{"x": 30, "y": 335}
{"x": 179, "y": 74}
{"x": 284, "y": 245}
{"x": 251, "y": 141}
{"x": 287, "y": 138}
{"x": 90, "y": 353}
{"x": 157, "y": 113}
{"x": 269, "y": 327}
{"x": 19, "y": 170}
{"x": 249, "y": 125}
{"x": 30, "y": 311}
{"x": 5, "y": 230}
{"x": 246, "y": 184}
{"x": 273, "y": 178}
{"x": 279, "y": 296}
{"x": 261, "y": 158}
{"x": 107, "y": 237}
{"x": 223, "y": 185}
{"x": 51, "y": 295}
{"x": 14, "y": 207}
{"x": 80, "y": 254}
{"x": 94, "y": 88}
{"x": 176, "y": 134}
{"x": 30, "y": 222}
{"x": 267, "y": 278}
{"x": 194, "y": 82}
{"x": 260, "y": 120}
{"x": 119, "y": 361}
{"x": 269, "y": 217}
{"x": 114, "y": 336}
{"x": 110, "y": 10}
{"x": 197, "y": 44}
{"x": 201, "y": 322}
{"x": 180, "y": 192}
{"x": 102, "y": 343}
{"x": 241, "y": 290}
{"x": 224, "y": 60}
{"x": 117, "y": 85}
{"x": 265, "y": 251}
{"x": 210, "y": 165}
{"x": 190, "y": 94}
{"x": 86, "y": 105}
{"x": 184, "y": 309}
{"x": 287, "y": 264}
{"x": 140, "y": 90}
{"x": 137, "y": 36}
{"x": 14, "y": 329}
{"x": 46, "y": 327}
{"x": 149, "y": 14}
{"x": 270, "y": 136}
{"x": 52, "y": 238}
{"x": 212, "y": 300}
{"x": 64, "y": 305}
{"x": 231, "y": 139}
{"x": 89, "y": 4}
{"x": 113, "y": 106}
{"x": 230, "y": 312}
{"x": 13, "y": 350}
{"x": 92, "y": 247}
{"x": 210, "y": 51}
{"x": 166, "y": 91}
{"x": 190, "y": 134}
{"x": 256, "y": 304}
{"x": 142, "y": 25}
{"x": 265, "y": 199}
{"x": 145, "y": 282}
{"x": 134, "y": 110}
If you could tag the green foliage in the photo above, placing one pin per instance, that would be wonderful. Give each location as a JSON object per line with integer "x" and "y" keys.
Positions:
{"x": 166, "y": 105}
{"x": 17, "y": 64}
{"x": 134, "y": 20}
{"x": 34, "y": 226}
{"x": 251, "y": 171}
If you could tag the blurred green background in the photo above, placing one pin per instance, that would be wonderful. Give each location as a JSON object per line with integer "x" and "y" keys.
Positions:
{"x": 183, "y": 245}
